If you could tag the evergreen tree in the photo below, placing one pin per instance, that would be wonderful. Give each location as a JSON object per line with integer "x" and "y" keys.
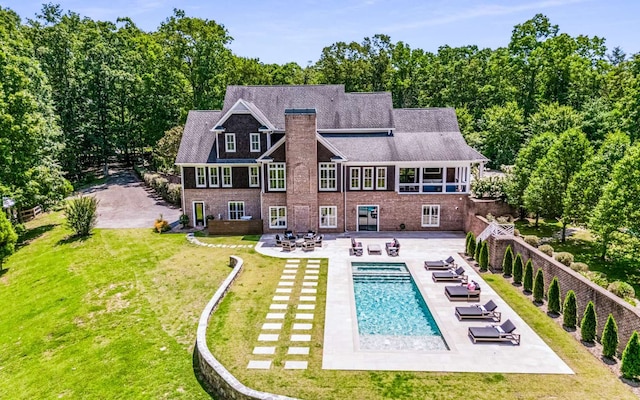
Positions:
{"x": 630, "y": 367}
{"x": 553, "y": 296}
{"x": 476, "y": 253}
{"x": 471, "y": 246}
{"x": 570, "y": 310}
{"x": 538, "y": 287}
{"x": 484, "y": 257}
{"x": 517, "y": 269}
{"x": 507, "y": 261}
{"x": 527, "y": 281}
{"x": 589, "y": 323}
{"x": 610, "y": 338}
{"x": 467, "y": 240}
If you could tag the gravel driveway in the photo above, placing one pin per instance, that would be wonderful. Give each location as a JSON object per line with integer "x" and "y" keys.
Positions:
{"x": 126, "y": 203}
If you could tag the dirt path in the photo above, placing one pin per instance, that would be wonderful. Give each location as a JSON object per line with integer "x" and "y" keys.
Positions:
{"x": 126, "y": 203}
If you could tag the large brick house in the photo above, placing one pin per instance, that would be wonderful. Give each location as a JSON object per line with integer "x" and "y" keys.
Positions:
{"x": 317, "y": 158}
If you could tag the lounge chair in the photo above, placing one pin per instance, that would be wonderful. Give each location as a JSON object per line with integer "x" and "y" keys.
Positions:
{"x": 393, "y": 247}
{"x": 487, "y": 311}
{"x": 440, "y": 264}
{"x": 453, "y": 275}
{"x": 288, "y": 245}
{"x": 494, "y": 333}
{"x": 356, "y": 248}
{"x": 462, "y": 293}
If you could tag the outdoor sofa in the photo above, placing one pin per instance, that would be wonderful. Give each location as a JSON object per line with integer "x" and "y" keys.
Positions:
{"x": 494, "y": 333}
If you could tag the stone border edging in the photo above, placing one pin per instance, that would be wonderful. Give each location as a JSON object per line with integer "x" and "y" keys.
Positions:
{"x": 214, "y": 374}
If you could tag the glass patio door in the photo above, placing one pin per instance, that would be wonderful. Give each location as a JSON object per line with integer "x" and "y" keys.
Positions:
{"x": 198, "y": 213}
{"x": 368, "y": 218}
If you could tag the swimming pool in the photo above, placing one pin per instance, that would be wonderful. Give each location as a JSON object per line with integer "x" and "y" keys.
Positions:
{"x": 391, "y": 313}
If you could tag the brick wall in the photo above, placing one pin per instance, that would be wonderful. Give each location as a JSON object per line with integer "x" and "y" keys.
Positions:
{"x": 215, "y": 201}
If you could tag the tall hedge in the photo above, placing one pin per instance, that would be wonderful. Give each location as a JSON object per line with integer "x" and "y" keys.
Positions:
{"x": 476, "y": 253}
{"x": 610, "y": 337}
{"x": 527, "y": 280}
{"x": 553, "y": 296}
{"x": 507, "y": 261}
{"x": 484, "y": 257}
{"x": 589, "y": 323}
{"x": 630, "y": 366}
{"x": 570, "y": 310}
{"x": 517, "y": 269}
{"x": 538, "y": 287}
{"x": 471, "y": 244}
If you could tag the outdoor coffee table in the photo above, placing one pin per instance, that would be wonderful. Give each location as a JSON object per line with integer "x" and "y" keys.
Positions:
{"x": 374, "y": 249}
{"x": 300, "y": 242}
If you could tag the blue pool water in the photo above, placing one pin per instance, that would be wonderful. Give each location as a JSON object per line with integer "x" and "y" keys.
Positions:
{"x": 391, "y": 313}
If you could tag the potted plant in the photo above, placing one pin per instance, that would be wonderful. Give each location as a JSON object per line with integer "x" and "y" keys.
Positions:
{"x": 184, "y": 220}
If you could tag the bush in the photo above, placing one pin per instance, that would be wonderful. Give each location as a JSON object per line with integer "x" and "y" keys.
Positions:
{"x": 507, "y": 261}
{"x": 630, "y": 366}
{"x": 579, "y": 267}
{"x": 516, "y": 232}
{"x": 8, "y": 237}
{"x": 589, "y": 323}
{"x": 490, "y": 187}
{"x": 538, "y": 287}
{"x": 517, "y": 269}
{"x": 161, "y": 225}
{"x": 546, "y": 249}
{"x": 184, "y": 220}
{"x": 598, "y": 278}
{"x": 622, "y": 289}
{"x": 527, "y": 280}
{"x": 553, "y": 296}
{"x": 564, "y": 258}
{"x": 570, "y": 310}
{"x": 484, "y": 257}
{"x": 476, "y": 253}
{"x": 174, "y": 194}
{"x": 169, "y": 192}
{"x": 468, "y": 240}
{"x": 610, "y": 338}
{"x": 81, "y": 213}
{"x": 532, "y": 240}
{"x": 490, "y": 217}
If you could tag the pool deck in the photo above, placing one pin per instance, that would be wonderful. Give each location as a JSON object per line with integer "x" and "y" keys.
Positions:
{"x": 341, "y": 350}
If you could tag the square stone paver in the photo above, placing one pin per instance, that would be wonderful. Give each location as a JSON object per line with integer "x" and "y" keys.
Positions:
{"x": 304, "y": 316}
{"x": 264, "y": 350}
{"x": 285, "y": 283}
{"x": 280, "y": 298}
{"x": 309, "y": 283}
{"x": 310, "y": 277}
{"x": 298, "y": 350}
{"x": 306, "y": 306}
{"x": 312, "y": 272}
{"x": 288, "y": 277}
{"x": 275, "y": 316}
{"x": 308, "y": 291}
{"x": 293, "y": 261}
{"x": 284, "y": 290}
{"x": 278, "y": 307}
{"x": 313, "y": 266}
{"x": 296, "y": 364}
{"x": 289, "y": 271}
{"x": 300, "y": 338}
{"x": 268, "y": 337}
{"x": 254, "y": 364}
{"x": 272, "y": 326}
{"x": 313, "y": 261}
{"x": 307, "y": 298}
{"x": 302, "y": 327}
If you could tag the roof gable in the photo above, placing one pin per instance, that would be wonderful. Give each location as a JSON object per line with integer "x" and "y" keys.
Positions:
{"x": 244, "y": 107}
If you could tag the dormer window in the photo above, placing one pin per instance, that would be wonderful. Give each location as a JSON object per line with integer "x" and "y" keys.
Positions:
{"x": 230, "y": 142}
{"x": 254, "y": 139}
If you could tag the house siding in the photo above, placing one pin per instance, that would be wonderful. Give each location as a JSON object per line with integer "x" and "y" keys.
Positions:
{"x": 242, "y": 125}
{"x": 189, "y": 177}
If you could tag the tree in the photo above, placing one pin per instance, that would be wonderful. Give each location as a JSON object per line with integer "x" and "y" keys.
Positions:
{"x": 553, "y": 296}
{"x": 589, "y": 323}
{"x": 630, "y": 367}
{"x": 538, "y": 287}
{"x": 484, "y": 257}
{"x": 81, "y": 213}
{"x": 610, "y": 338}
{"x": 507, "y": 261}
{"x": 503, "y": 133}
{"x": 476, "y": 254}
{"x": 166, "y": 151}
{"x": 517, "y": 269}
{"x": 570, "y": 310}
{"x": 553, "y": 118}
{"x": 471, "y": 244}
{"x": 8, "y": 238}
{"x": 527, "y": 281}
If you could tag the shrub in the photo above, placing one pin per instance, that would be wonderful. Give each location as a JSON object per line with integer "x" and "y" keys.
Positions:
{"x": 507, "y": 261}
{"x": 471, "y": 247}
{"x": 184, "y": 220}
{"x": 504, "y": 219}
{"x": 476, "y": 253}
{"x": 484, "y": 257}
{"x": 527, "y": 280}
{"x": 564, "y": 258}
{"x": 579, "y": 267}
{"x": 630, "y": 366}
{"x": 174, "y": 194}
{"x": 553, "y": 296}
{"x": 532, "y": 240}
{"x": 490, "y": 217}
{"x": 610, "y": 338}
{"x": 622, "y": 289}
{"x": 516, "y": 232}
{"x": 81, "y": 213}
{"x": 546, "y": 249}
{"x": 570, "y": 310}
{"x": 492, "y": 187}
{"x": 161, "y": 225}
{"x": 538, "y": 287}
{"x": 8, "y": 237}
{"x": 517, "y": 269}
{"x": 598, "y": 278}
{"x": 589, "y": 323}
{"x": 466, "y": 242}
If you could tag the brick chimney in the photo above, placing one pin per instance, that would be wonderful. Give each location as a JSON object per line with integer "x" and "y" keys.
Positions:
{"x": 302, "y": 169}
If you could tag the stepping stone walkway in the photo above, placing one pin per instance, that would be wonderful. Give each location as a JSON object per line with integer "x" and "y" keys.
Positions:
{"x": 296, "y": 296}
{"x": 192, "y": 239}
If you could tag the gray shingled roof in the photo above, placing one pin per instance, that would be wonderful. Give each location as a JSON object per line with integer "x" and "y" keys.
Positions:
{"x": 335, "y": 108}
{"x": 196, "y": 145}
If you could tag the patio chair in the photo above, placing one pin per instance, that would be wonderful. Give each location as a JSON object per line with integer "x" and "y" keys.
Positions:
{"x": 356, "y": 248}
{"x": 487, "y": 311}
{"x": 494, "y": 333}
{"x": 278, "y": 241}
{"x": 318, "y": 240}
{"x": 308, "y": 245}
{"x": 463, "y": 292}
{"x": 288, "y": 245}
{"x": 288, "y": 235}
{"x": 440, "y": 264}
{"x": 453, "y": 275}
{"x": 393, "y": 248}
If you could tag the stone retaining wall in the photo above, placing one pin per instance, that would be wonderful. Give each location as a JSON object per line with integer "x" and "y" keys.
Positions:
{"x": 214, "y": 375}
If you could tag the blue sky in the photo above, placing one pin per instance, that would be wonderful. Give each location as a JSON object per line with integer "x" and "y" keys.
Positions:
{"x": 283, "y": 31}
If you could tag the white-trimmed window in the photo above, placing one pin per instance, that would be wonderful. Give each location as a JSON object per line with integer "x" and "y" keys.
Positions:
{"x": 227, "y": 181}
{"x": 254, "y": 140}
{"x": 230, "y": 142}
{"x": 367, "y": 178}
{"x": 329, "y": 217}
{"x": 277, "y": 177}
{"x": 201, "y": 177}
{"x": 254, "y": 176}
{"x": 381, "y": 178}
{"x": 236, "y": 209}
{"x": 431, "y": 215}
{"x": 277, "y": 217}
{"x": 327, "y": 174}
{"x": 354, "y": 181}
{"x": 214, "y": 179}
